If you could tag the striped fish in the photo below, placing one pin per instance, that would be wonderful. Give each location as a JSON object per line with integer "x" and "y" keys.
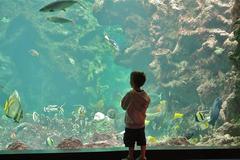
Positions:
{"x": 12, "y": 107}
{"x": 199, "y": 116}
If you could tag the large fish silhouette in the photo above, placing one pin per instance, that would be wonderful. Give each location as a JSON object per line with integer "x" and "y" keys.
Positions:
{"x": 215, "y": 110}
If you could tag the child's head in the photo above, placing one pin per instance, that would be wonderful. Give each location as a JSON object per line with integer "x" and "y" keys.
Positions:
{"x": 137, "y": 79}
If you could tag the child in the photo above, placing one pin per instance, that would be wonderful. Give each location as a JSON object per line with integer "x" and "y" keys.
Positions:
{"x": 135, "y": 102}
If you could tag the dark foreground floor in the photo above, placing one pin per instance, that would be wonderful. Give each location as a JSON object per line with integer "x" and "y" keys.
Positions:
{"x": 171, "y": 153}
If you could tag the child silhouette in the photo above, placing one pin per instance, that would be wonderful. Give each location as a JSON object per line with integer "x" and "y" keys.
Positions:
{"x": 135, "y": 102}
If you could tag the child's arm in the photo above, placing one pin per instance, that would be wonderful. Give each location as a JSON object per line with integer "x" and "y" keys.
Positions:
{"x": 125, "y": 101}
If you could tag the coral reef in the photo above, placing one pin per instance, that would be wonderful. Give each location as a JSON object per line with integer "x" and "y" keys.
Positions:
{"x": 203, "y": 37}
{"x": 206, "y": 73}
{"x": 100, "y": 144}
{"x": 228, "y": 128}
{"x": 178, "y": 141}
{"x": 219, "y": 140}
{"x": 70, "y": 143}
{"x": 207, "y": 91}
{"x": 109, "y": 139}
{"x": 134, "y": 23}
{"x": 17, "y": 146}
{"x": 230, "y": 107}
{"x": 230, "y": 111}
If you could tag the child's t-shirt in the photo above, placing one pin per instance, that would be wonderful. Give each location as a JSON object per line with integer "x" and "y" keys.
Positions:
{"x": 135, "y": 103}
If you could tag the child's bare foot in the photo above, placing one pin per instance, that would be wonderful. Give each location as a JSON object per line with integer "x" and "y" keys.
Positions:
{"x": 128, "y": 158}
{"x": 141, "y": 158}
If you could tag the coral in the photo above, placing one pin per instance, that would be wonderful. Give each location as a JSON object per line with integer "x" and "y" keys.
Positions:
{"x": 134, "y": 26}
{"x": 228, "y": 44}
{"x": 207, "y": 92}
{"x": 178, "y": 141}
{"x": 228, "y": 128}
{"x": 201, "y": 30}
{"x": 100, "y": 137}
{"x": 99, "y": 144}
{"x": 205, "y": 26}
{"x": 230, "y": 107}
{"x": 235, "y": 11}
{"x": 70, "y": 143}
{"x": 101, "y": 126}
{"x": 210, "y": 43}
{"x": 219, "y": 140}
{"x": 17, "y": 146}
{"x": 174, "y": 142}
{"x": 103, "y": 140}
{"x": 111, "y": 113}
{"x": 98, "y": 5}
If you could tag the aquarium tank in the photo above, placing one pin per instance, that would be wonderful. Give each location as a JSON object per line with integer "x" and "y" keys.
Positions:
{"x": 65, "y": 67}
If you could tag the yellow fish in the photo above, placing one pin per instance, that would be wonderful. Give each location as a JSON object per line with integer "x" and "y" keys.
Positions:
{"x": 151, "y": 139}
{"x": 178, "y": 115}
{"x": 12, "y": 107}
{"x": 204, "y": 125}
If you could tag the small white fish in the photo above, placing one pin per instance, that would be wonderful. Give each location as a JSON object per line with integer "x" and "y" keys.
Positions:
{"x": 35, "y": 117}
{"x": 71, "y": 60}
{"x": 34, "y": 52}
{"x": 111, "y": 42}
{"x": 106, "y": 37}
{"x": 54, "y": 108}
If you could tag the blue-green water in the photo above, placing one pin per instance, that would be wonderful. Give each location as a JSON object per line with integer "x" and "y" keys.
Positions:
{"x": 73, "y": 65}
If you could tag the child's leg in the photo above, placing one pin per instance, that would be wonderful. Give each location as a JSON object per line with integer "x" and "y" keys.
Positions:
{"x": 142, "y": 142}
{"x": 131, "y": 153}
{"x": 129, "y": 141}
{"x": 143, "y": 152}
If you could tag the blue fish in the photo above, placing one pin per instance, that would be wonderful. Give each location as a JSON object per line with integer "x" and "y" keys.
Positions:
{"x": 215, "y": 110}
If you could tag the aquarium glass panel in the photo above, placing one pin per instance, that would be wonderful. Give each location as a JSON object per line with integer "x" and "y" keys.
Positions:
{"x": 65, "y": 68}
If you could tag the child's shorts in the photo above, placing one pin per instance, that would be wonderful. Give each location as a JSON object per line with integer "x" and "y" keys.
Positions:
{"x": 134, "y": 135}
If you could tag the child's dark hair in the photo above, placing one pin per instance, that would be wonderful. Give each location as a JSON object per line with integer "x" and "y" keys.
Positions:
{"x": 138, "y": 78}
